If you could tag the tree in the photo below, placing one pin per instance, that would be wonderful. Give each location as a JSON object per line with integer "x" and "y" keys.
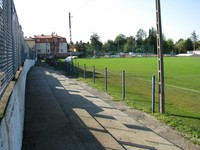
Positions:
{"x": 198, "y": 45}
{"x": 140, "y": 36}
{"x": 96, "y": 44}
{"x": 168, "y": 46}
{"x": 110, "y": 46}
{"x": 120, "y": 41}
{"x": 179, "y": 46}
{"x": 152, "y": 39}
{"x": 188, "y": 45}
{"x": 81, "y": 47}
{"x": 130, "y": 41}
{"x": 105, "y": 47}
{"x": 182, "y": 46}
{"x": 194, "y": 38}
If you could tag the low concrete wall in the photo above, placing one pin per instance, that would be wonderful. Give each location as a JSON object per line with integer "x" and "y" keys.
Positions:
{"x": 12, "y": 121}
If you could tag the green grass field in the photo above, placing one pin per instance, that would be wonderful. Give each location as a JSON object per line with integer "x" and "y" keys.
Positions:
{"x": 182, "y": 87}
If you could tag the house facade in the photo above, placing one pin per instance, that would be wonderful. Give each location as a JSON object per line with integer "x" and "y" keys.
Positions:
{"x": 31, "y": 43}
{"x": 50, "y": 45}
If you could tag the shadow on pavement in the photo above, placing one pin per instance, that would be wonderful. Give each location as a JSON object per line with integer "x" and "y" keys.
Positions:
{"x": 60, "y": 114}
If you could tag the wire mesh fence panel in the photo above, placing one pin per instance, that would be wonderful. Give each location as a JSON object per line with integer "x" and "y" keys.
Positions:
{"x": 138, "y": 84}
{"x": 182, "y": 94}
{"x": 13, "y": 48}
{"x": 138, "y": 92}
{"x": 182, "y": 101}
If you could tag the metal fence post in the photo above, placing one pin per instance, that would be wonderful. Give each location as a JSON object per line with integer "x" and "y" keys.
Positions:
{"x": 84, "y": 71}
{"x": 68, "y": 67}
{"x": 65, "y": 66}
{"x": 78, "y": 69}
{"x": 72, "y": 67}
{"x": 153, "y": 93}
{"x": 106, "y": 78}
{"x": 123, "y": 84}
{"x": 94, "y": 74}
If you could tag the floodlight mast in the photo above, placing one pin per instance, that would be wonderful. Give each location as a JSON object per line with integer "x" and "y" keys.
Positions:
{"x": 160, "y": 58}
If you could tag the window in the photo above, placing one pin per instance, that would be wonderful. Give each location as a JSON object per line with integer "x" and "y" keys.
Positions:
{"x": 61, "y": 50}
{"x": 38, "y": 40}
{"x": 61, "y": 40}
{"x": 39, "y": 51}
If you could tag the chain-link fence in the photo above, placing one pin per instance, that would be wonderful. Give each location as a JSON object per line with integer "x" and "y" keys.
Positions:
{"x": 134, "y": 85}
{"x": 138, "y": 89}
{"x": 13, "y": 48}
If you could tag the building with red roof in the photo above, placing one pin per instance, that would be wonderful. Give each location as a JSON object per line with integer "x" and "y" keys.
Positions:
{"x": 50, "y": 45}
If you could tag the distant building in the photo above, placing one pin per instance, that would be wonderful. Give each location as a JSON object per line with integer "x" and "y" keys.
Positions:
{"x": 50, "y": 45}
{"x": 31, "y": 43}
{"x": 196, "y": 52}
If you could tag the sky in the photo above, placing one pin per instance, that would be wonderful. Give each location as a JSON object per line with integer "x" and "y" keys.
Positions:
{"x": 107, "y": 18}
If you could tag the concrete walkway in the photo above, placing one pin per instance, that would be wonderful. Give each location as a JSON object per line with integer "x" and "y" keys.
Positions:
{"x": 60, "y": 115}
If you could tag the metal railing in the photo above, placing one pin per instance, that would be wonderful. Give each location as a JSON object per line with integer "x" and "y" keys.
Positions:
{"x": 13, "y": 48}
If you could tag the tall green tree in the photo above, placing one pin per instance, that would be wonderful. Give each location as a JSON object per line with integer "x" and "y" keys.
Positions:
{"x": 129, "y": 45}
{"x": 152, "y": 39}
{"x": 194, "y": 38}
{"x": 120, "y": 41}
{"x": 95, "y": 44}
{"x": 168, "y": 46}
{"x": 110, "y": 47}
{"x": 198, "y": 45}
{"x": 140, "y": 36}
{"x": 188, "y": 45}
{"x": 182, "y": 46}
{"x": 179, "y": 46}
{"x": 105, "y": 47}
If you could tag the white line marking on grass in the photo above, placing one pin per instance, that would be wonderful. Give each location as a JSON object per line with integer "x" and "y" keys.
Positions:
{"x": 173, "y": 86}
{"x": 182, "y": 88}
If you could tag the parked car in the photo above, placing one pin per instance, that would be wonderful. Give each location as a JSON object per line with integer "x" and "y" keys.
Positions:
{"x": 70, "y": 58}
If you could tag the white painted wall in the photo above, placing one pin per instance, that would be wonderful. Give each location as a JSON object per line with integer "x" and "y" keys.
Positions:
{"x": 12, "y": 124}
{"x": 197, "y": 52}
{"x": 62, "y": 47}
{"x": 43, "y": 47}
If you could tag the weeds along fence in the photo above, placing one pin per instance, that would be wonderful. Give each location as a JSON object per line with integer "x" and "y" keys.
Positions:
{"x": 13, "y": 48}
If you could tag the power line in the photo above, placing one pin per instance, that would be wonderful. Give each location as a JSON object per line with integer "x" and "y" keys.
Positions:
{"x": 82, "y": 6}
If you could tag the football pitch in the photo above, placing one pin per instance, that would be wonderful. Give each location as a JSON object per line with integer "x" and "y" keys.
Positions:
{"x": 182, "y": 86}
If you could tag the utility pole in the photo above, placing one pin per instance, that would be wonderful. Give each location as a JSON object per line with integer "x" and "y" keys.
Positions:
{"x": 70, "y": 33}
{"x": 160, "y": 58}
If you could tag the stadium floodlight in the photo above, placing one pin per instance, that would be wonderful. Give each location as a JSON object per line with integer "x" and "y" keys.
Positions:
{"x": 160, "y": 58}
